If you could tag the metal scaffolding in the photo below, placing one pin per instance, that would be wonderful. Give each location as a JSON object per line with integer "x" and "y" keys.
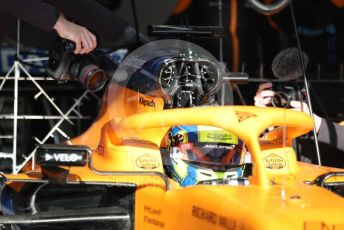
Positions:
{"x": 18, "y": 73}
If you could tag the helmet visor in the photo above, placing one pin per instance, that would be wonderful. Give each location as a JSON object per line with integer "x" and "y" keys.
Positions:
{"x": 210, "y": 154}
{"x": 208, "y": 146}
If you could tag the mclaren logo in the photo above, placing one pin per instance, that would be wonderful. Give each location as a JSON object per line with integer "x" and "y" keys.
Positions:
{"x": 145, "y": 102}
{"x": 63, "y": 157}
{"x": 273, "y": 161}
{"x": 147, "y": 162}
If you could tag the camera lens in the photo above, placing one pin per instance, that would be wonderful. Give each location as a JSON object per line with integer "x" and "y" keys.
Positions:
{"x": 281, "y": 100}
{"x": 92, "y": 77}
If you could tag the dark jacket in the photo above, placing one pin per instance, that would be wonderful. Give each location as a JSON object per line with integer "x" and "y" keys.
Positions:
{"x": 44, "y": 14}
{"x": 332, "y": 134}
{"x": 35, "y": 12}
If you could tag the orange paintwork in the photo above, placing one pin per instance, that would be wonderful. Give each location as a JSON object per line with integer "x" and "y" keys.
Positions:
{"x": 122, "y": 103}
{"x": 181, "y": 6}
{"x": 276, "y": 198}
{"x": 338, "y": 3}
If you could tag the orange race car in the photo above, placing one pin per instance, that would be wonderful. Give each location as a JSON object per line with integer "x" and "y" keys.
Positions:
{"x": 169, "y": 151}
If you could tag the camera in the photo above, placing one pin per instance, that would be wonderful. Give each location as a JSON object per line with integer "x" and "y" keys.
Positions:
{"x": 91, "y": 70}
{"x": 287, "y": 92}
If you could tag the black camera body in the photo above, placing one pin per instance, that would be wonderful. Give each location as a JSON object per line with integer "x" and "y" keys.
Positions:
{"x": 287, "y": 92}
{"x": 92, "y": 69}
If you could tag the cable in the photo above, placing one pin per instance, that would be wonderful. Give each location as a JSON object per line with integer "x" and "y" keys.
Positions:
{"x": 305, "y": 80}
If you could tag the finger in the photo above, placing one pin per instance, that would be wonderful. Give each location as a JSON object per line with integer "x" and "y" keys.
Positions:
{"x": 85, "y": 45}
{"x": 259, "y": 104}
{"x": 267, "y": 101}
{"x": 262, "y": 102}
{"x": 90, "y": 38}
{"x": 267, "y": 93}
{"x": 301, "y": 106}
{"x": 77, "y": 46}
{"x": 89, "y": 43}
{"x": 94, "y": 41}
{"x": 295, "y": 104}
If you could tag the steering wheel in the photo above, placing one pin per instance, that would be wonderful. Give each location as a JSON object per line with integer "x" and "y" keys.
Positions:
{"x": 270, "y": 8}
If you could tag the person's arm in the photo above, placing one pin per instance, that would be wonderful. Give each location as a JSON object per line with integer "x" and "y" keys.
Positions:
{"x": 303, "y": 107}
{"x": 328, "y": 131}
{"x": 48, "y": 17}
{"x": 89, "y": 13}
{"x": 332, "y": 134}
{"x": 35, "y": 12}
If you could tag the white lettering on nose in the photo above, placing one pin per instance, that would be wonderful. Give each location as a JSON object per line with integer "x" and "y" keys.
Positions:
{"x": 63, "y": 157}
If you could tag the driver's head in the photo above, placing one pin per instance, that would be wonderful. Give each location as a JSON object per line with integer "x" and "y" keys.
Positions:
{"x": 200, "y": 153}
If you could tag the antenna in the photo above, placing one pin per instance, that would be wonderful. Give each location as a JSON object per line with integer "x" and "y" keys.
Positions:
{"x": 275, "y": 8}
{"x": 305, "y": 80}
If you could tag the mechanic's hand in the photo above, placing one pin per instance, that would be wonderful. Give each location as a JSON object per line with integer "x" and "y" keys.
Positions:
{"x": 303, "y": 107}
{"x": 264, "y": 95}
{"x": 84, "y": 40}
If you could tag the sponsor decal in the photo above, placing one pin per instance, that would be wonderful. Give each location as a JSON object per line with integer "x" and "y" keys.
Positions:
{"x": 321, "y": 225}
{"x": 147, "y": 162}
{"x": 217, "y": 136}
{"x": 154, "y": 221}
{"x": 62, "y": 157}
{"x": 150, "y": 103}
{"x": 203, "y": 214}
{"x": 274, "y": 161}
{"x": 213, "y": 218}
{"x": 152, "y": 210}
{"x": 213, "y": 146}
{"x": 244, "y": 115}
{"x": 152, "y": 216}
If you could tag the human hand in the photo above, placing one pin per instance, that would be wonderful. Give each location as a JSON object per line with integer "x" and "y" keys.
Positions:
{"x": 264, "y": 95}
{"x": 303, "y": 107}
{"x": 84, "y": 40}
